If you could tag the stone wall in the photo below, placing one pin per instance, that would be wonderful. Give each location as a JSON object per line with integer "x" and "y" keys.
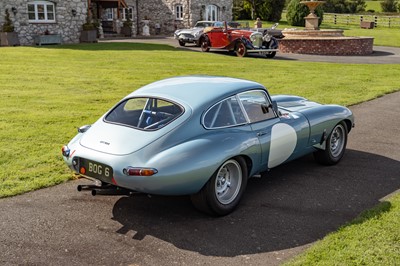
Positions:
{"x": 69, "y": 26}
{"x": 66, "y": 24}
{"x": 163, "y": 12}
{"x": 328, "y": 46}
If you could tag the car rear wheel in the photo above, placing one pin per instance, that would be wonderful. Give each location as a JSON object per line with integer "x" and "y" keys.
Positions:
{"x": 222, "y": 193}
{"x": 240, "y": 49}
{"x": 335, "y": 146}
{"x": 205, "y": 44}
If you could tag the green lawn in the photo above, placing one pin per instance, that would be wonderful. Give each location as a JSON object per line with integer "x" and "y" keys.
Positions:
{"x": 374, "y": 5}
{"x": 47, "y": 92}
{"x": 383, "y": 36}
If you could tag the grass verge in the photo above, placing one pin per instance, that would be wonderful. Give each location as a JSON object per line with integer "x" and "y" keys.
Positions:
{"x": 45, "y": 93}
{"x": 371, "y": 239}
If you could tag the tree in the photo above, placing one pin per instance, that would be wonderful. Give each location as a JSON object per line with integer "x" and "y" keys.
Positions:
{"x": 389, "y": 5}
{"x": 297, "y": 11}
{"x": 344, "y": 6}
{"x": 270, "y": 10}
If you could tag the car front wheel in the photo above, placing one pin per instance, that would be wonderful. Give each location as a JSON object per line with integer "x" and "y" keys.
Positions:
{"x": 181, "y": 43}
{"x": 240, "y": 49}
{"x": 222, "y": 193}
{"x": 205, "y": 44}
{"x": 335, "y": 146}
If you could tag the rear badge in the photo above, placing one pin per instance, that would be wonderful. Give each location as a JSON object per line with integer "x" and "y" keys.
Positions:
{"x": 105, "y": 142}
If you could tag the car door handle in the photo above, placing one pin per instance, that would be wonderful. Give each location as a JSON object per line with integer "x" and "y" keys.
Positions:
{"x": 261, "y": 133}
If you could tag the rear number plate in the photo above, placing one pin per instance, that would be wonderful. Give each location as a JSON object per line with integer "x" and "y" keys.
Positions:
{"x": 96, "y": 170}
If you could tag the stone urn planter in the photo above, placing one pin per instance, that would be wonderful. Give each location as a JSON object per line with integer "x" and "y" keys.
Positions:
{"x": 88, "y": 36}
{"x": 126, "y": 31}
{"x": 9, "y": 39}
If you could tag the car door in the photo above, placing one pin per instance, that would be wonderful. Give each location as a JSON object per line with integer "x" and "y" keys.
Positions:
{"x": 219, "y": 36}
{"x": 278, "y": 137}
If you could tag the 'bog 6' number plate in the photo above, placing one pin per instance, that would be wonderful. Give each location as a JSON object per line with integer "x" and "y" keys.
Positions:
{"x": 96, "y": 170}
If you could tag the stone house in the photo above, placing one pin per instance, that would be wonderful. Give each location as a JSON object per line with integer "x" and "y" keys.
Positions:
{"x": 66, "y": 17}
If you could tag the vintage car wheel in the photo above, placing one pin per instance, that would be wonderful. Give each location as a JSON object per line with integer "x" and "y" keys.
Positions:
{"x": 222, "y": 193}
{"x": 335, "y": 146}
{"x": 205, "y": 44}
{"x": 270, "y": 54}
{"x": 181, "y": 43}
{"x": 240, "y": 49}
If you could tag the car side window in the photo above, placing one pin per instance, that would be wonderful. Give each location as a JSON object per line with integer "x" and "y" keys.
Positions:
{"x": 256, "y": 105}
{"x": 224, "y": 114}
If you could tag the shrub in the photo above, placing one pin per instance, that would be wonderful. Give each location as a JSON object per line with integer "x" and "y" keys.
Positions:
{"x": 389, "y": 6}
{"x": 297, "y": 11}
{"x": 8, "y": 26}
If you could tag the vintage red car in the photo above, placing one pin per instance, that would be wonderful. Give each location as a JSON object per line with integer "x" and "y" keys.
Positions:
{"x": 240, "y": 41}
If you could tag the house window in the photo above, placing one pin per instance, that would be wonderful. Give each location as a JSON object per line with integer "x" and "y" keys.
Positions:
{"x": 212, "y": 13}
{"x": 179, "y": 12}
{"x": 41, "y": 11}
{"x": 108, "y": 14}
{"x": 127, "y": 12}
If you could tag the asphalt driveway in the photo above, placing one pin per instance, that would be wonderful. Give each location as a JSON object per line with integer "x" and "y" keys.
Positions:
{"x": 281, "y": 214}
{"x": 380, "y": 55}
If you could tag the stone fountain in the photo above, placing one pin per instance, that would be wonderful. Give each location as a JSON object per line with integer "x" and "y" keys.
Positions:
{"x": 312, "y": 19}
{"x": 312, "y": 40}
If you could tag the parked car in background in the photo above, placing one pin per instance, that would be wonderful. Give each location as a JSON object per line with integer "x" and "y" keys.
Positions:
{"x": 240, "y": 41}
{"x": 273, "y": 31}
{"x": 192, "y": 35}
{"x": 203, "y": 136}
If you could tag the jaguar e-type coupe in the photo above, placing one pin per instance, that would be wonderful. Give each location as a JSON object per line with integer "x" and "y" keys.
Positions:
{"x": 203, "y": 136}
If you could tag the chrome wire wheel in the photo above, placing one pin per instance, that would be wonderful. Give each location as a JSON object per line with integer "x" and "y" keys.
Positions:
{"x": 228, "y": 182}
{"x": 337, "y": 140}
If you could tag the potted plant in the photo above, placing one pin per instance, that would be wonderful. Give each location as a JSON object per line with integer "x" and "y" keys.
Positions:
{"x": 126, "y": 29}
{"x": 8, "y": 37}
{"x": 89, "y": 31}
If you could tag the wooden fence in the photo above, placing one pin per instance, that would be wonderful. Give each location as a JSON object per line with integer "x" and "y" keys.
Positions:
{"x": 351, "y": 19}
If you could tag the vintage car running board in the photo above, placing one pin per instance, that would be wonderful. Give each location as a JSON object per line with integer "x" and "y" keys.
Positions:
{"x": 262, "y": 50}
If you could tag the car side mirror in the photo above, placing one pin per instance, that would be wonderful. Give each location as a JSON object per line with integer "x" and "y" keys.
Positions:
{"x": 275, "y": 106}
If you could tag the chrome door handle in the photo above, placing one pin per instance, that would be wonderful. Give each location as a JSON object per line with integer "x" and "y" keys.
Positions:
{"x": 261, "y": 133}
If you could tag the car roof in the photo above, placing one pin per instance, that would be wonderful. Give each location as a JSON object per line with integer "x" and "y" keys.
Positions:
{"x": 196, "y": 91}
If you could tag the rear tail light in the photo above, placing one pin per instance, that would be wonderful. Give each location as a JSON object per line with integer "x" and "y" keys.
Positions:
{"x": 135, "y": 171}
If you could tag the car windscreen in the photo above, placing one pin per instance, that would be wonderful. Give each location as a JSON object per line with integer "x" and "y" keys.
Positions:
{"x": 144, "y": 113}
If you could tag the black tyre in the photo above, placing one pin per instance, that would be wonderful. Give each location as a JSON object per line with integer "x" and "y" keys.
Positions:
{"x": 181, "y": 43}
{"x": 270, "y": 54}
{"x": 240, "y": 49}
{"x": 222, "y": 193}
{"x": 205, "y": 44}
{"x": 335, "y": 146}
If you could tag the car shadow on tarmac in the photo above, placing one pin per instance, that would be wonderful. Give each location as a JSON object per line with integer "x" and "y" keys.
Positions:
{"x": 292, "y": 205}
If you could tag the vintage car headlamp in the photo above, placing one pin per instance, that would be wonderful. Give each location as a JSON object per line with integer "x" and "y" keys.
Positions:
{"x": 256, "y": 39}
{"x": 65, "y": 151}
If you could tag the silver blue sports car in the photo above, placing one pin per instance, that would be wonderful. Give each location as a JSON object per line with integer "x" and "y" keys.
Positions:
{"x": 203, "y": 136}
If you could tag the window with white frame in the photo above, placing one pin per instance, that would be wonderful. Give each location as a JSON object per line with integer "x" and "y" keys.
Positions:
{"x": 41, "y": 11}
{"x": 127, "y": 12}
{"x": 108, "y": 14}
{"x": 179, "y": 12}
{"x": 212, "y": 13}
